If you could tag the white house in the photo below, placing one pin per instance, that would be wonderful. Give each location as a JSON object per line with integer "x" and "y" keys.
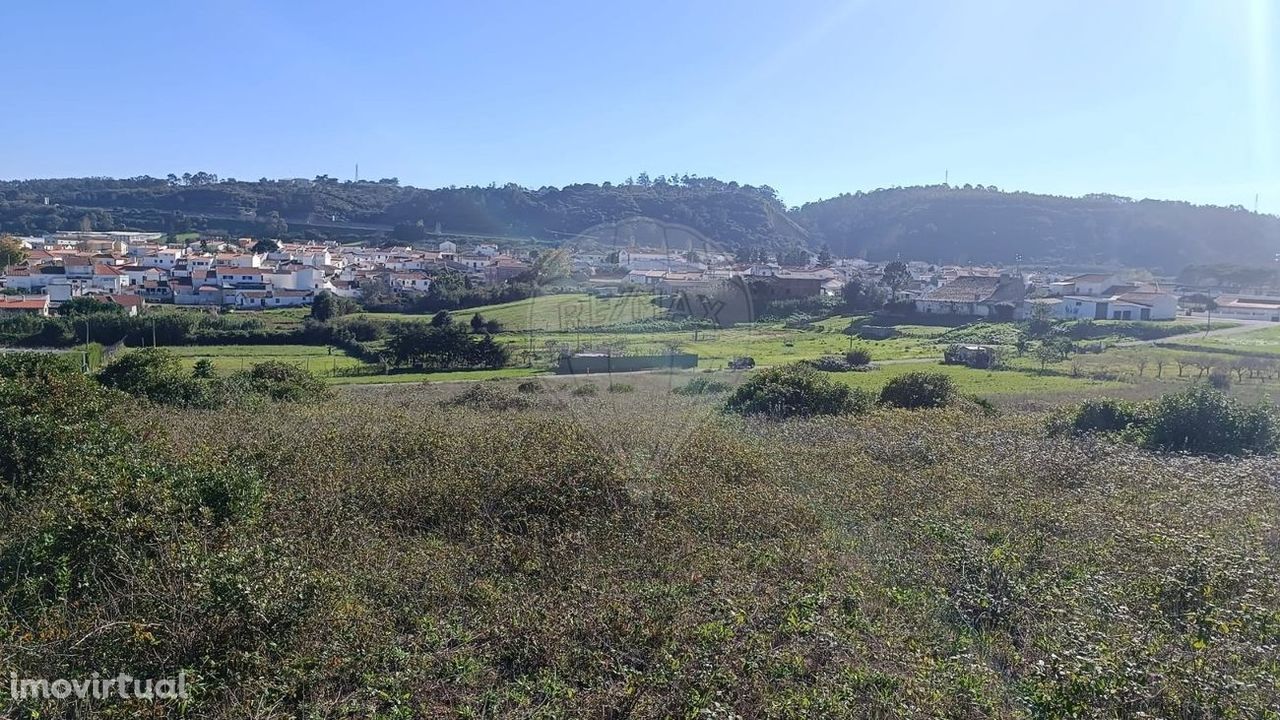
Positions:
{"x": 1090, "y": 284}
{"x": 245, "y": 260}
{"x": 28, "y": 279}
{"x": 258, "y": 299}
{"x": 474, "y": 262}
{"x": 1248, "y": 308}
{"x": 1133, "y": 305}
{"x": 415, "y": 282}
{"x": 645, "y": 277}
{"x": 166, "y": 258}
{"x": 137, "y": 274}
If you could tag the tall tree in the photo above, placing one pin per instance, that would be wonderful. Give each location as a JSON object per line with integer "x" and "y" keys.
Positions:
{"x": 896, "y": 276}
{"x": 323, "y": 307}
{"x": 11, "y": 251}
{"x": 824, "y": 256}
{"x": 266, "y": 245}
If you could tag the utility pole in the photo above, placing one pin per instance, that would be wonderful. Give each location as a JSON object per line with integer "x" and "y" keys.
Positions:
{"x": 86, "y": 344}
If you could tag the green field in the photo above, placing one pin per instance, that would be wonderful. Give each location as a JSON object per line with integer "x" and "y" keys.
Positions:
{"x": 1266, "y": 339}
{"x": 549, "y": 324}
{"x": 768, "y": 344}
{"x": 551, "y": 313}
{"x": 231, "y": 358}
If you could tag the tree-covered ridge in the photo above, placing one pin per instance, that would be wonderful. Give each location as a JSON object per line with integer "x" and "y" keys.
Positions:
{"x": 977, "y": 224}
{"x": 732, "y": 214}
{"x": 938, "y": 223}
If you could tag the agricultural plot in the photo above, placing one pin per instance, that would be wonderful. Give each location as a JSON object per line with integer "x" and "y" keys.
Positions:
{"x": 768, "y": 344}
{"x": 227, "y": 359}
{"x": 551, "y": 313}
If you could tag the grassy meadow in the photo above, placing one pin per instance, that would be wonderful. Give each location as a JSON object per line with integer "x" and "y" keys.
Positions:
{"x": 227, "y": 359}
{"x": 552, "y": 313}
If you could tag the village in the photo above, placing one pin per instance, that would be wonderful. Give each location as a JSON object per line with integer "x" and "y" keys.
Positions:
{"x": 139, "y": 269}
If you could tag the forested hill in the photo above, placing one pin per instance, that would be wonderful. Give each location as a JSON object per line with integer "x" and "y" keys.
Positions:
{"x": 938, "y": 223}
{"x": 735, "y": 216}
{"x": 950, "y": 224}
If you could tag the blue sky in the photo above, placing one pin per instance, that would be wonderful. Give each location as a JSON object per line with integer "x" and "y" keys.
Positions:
{"x": 1147, "y": 98}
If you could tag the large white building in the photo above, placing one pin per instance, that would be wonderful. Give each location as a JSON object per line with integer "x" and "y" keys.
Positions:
{"x": 1248, "y": 308}
{"x": 1104, "y": 296}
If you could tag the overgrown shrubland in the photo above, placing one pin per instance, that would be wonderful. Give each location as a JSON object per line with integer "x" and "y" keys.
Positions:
{"x": 643, "y": 556}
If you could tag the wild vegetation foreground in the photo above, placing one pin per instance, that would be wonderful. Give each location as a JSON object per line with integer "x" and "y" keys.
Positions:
{"x": 551, "y": 552}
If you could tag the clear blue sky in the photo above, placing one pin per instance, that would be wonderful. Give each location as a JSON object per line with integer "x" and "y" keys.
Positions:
{"x": 1147, "y": 98}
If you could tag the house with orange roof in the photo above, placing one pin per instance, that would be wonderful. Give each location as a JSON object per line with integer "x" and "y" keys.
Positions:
{"x": 23, "y": 305}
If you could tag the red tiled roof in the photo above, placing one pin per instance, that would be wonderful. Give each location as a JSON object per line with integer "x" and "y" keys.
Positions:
{"x": 24, "y": 303}
{"x": 127, "y": 300}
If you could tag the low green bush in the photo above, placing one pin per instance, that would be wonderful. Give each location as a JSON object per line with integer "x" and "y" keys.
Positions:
{"x": 487, "y": 396}
{"x": 1199, "y": 420}
{"x": 795, "y": 390}
{"x": 283, "y": 382}
{"x": 203, "y": 369}
{"x": 702, "y": 386}
{"x": 530, "y": 387}
{"x": 1206, "y": 421}
{"x": 836, "y": 363}
{"x": 1107, "y": 415}
{"x": 154, "y": 374}
{"x": 157, "y": 375}
{"x": 918, "y": 389}
{"x": 858, "y": 357}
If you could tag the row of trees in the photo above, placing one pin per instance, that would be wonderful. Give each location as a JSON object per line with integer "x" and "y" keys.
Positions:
{"x": 88, "y": 319}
